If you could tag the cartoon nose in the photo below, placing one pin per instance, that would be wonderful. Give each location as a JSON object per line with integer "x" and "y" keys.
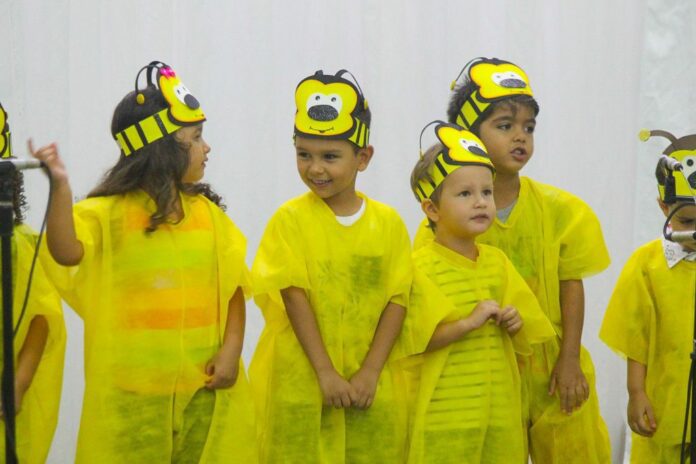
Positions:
{"x": 513, "y": 83}
{"x": 692, "y": 180}
{"x": 191, "y": 101}
{"x": 322, "y": 113}
{"x": 477, "y": 151}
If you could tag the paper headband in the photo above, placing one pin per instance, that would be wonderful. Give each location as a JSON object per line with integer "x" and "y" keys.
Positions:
{"x": 183, "y": 110}
{"x": 461, "y": 148}
{"x": 330, "y": 107}
{"x": 679, "y": 156}
{"x": 494, "y": 80}
{"x": 5, "y": 136}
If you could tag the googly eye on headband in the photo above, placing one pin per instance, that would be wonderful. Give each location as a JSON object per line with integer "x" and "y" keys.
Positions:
{"x": 678, "y": 164}
{"x": 5, "y": 138}
{"x": 330, "y": 106}
{"x": 183, "y": 110}
{"x": 460, "y": 148}
{"x": 494, "y": 80}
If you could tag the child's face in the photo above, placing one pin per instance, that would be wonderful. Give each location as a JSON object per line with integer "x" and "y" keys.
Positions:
{"x": 329, "y": 168}
{"x": 683, "y": 220}
{"x": 192, "y": 136}
{"x": 466, "y": 207}
{"x": 508, "y": 134}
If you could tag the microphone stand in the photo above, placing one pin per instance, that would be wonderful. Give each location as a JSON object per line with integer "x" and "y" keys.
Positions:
{"x": 7, "y": 182}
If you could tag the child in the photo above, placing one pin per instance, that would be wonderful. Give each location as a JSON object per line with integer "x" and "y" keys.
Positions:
{"x": 332, "y": 277}
{"x": 156, "y": 271}
{"x": 649, "y": 321}
{"x": 554, "y": 240}
{"x": 39, "y": 342}
{"x": 468, "y": 407}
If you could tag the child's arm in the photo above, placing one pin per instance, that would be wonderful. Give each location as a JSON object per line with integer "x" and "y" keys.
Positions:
{"x": 29, "y": 357}
{"x": 365, "y": 380}
{"x": 62, "y": 241}
{"x": 337, "y": 391}
{"x": 641, "y": 417}
{"x": 223, "y": 368}
{"x": 447, "y": 333}
{"x": 567, "y": 377}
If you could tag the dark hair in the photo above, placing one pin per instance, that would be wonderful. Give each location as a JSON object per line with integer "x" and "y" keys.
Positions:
{"x": 156, "y": 167}
{"x": 463, "y": 91}
{"x": 19, "y": 200}
{"x": 422, "y": 170}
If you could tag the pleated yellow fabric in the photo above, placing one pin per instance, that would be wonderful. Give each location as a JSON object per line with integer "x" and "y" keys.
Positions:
{"x": 650, "y": 318}
{"x": 468, "y": 407}
{"x": 350, "y": 274}
{"x": 154, "y": 308}
{"x": 37, "y": 419}
{"x": 552, "y": 235}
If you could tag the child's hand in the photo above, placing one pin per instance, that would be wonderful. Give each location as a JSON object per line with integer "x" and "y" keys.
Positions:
{"x": 568, "y": 379}
{"x": 511, "y": 320}
{"x": 336, "y": 390}
{"x": 223, "y": 369}
{"x": 484, "y": 310}
{"x": 50, "y": 157}
{"x": 365, "y": 384}
{"x": 641, "y": 417}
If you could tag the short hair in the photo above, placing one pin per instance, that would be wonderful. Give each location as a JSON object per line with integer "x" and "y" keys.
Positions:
{"x": 463, "y": 92}
{"x": 422, "y": 171}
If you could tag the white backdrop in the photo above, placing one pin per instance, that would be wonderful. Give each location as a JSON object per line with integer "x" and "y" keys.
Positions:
{"x": 600, "y": 69}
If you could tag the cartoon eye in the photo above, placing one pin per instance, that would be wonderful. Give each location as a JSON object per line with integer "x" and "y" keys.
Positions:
{"x": 510, "y": 80}
{"x": 183, "y": 94}
{"x": 322, "y": 107}
{"x": 690, "y": 162}
{"x": 472, "y": 147}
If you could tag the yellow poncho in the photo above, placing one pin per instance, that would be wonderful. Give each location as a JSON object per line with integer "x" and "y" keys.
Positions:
{"x": 468, "y": 407}
{"x": 350, "y": 274}
{"x": 154, "y": 308}
{"x": 552, "y": 235}
{"x": 37, "y": 419}
{"x": 650, "y": 318}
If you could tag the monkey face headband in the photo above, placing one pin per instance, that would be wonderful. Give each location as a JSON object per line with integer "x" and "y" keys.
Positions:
{"x": 461, "y": 148}
{"x": 328, "y": 107}
{"x": 183, "y": 110}
{"x": 679, "y": 156}
{"x": 5, "y": 139}
{"x": 494, "y": 80}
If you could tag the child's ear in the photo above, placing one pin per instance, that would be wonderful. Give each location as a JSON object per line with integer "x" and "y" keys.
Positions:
{"x": 664, "y": 207}
{"x": 365, "y": 155}
{"x": 431, "y": 210}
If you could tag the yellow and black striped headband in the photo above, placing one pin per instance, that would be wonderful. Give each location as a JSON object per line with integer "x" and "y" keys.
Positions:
{"x": 331, "y": 107}
{"x": 5, "y": 136}
{"x": 678, "y": 163}
{"x": 460, "y": 148}
{"x": 183, "y": 110}
{"x": 494, "y": 80}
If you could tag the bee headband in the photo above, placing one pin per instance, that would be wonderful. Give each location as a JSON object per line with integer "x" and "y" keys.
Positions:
{"x": 5, "y": 139}
{"x": 494, "y": 80}
{"x": 331, "y": 107}
{"x": 183, "y": 109}
{"x": 460, "y": 148}
{"x": 679, "y": 156}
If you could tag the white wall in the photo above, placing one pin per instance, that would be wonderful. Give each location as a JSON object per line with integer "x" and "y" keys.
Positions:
{"x": 600, "y": 70}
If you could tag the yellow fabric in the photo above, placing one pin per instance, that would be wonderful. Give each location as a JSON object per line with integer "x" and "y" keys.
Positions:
{"x": 552, "y": 235}
{"x": 650, "y": 318}
{"x": 645, "y": 450}
{"x": 38, "y": 417}
{"x": 154, "y": 308}
{"x": 468, "y": 407}
{"x": 350, "y": 274}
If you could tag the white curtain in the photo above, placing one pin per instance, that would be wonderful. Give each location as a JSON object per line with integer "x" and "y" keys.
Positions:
{"x": 600, "y": 70}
